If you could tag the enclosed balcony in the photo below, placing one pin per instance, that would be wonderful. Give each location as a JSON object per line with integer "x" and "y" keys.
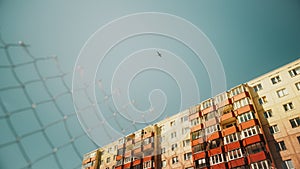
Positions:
{"x": 228, "y": 117}
{"x": 236, "y": 162}
{"x": 248, "y": 124}
{"x": 214, "y": 136}
{"x": 240, "y": 96}
{"x": 244, "y": 109}
{"x": 233, "y": 146}
{"x": 253, "y": 139}
{"x": 229, "y": 130}
{"x": 197, "y": 127}
{"x": 260, "y": 156}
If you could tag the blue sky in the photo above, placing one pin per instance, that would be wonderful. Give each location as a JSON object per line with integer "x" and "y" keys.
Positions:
{"x": 250, "y": 37}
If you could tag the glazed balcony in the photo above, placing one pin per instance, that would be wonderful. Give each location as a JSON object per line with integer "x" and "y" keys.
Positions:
{"x": 244, "y": 109}
{"x": 136, "y": 162}
{"x": 219, "y": 166}
{"x": 236, "y": 162}
{"x": 209, "y": 109}
{"x": 228, "y": 117}
{"x": 118, "y": 167}
{"x": 148, "y": 134}
{"x": 199, "y": 155}
{"x": 262, "y": 155}
{"x": 214, "y": 136}
{"x": 253, "y": 139}
{"x": 197, "y": 127}
{"x": 127, "y": 165}
{"x": 212, "y": 121}
{"x": 148, "y": 146}
{"x": 118, "y": 157}
{"x": 229, "y": 130}
{"x": 198, "y": 141}
{"x": 128, "y": 154}
{"x": 240, "y": 96}
{"x": 194, "y": 116}
{"x": 233, "y": 146}
{"x": 247, "y": 124}
{"x": 214, "y": 151}
{"x": 137, "y": 151}
{"x": 224, "y": 103}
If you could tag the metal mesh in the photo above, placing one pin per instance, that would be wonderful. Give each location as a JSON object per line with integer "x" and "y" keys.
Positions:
{"x": 39, "y": 128}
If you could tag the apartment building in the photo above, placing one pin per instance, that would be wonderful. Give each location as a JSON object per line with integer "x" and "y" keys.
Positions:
{"x": 251, "y": 126}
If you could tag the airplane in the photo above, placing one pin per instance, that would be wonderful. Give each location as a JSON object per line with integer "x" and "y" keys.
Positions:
{"x": 158, "y": 53}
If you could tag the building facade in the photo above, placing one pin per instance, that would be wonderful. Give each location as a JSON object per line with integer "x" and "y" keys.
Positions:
{"x": 251, "y": 126}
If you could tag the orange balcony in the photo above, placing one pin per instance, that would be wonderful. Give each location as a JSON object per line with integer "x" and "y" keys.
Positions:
{"x": 136, "y": 162}
{"x": 128, "y": 154}
{"x": 148, "y": 146}
{"x": 209, "y": 109}
{"x": 148, "y": 134}
{"x": 86, "y": 161}
{"x": 214, "y": 136}
{"x": 224, "y": 103}
{"x": 232, "y": 146}
{"x": 198, "y": 141}
{"x": 147, "y": 158}
{"x": 229, "y": 130}
{"x": 129, "y": 142}
{"x": 248, "y": 124}
{"x": 212, "y": 121}
{"x": 240, "y": 96}
{"x": 228, "y": 117}
{"x": 197, "y": 127}
{"x": 137, "y": 151}
{"x": 118, "y": 157}
{"x": 252, "y": 139}
{"x": 118, "y": 167}
{"x": 236, "y": 163}
{"x": 137, "y": 139}
{"x": 199, "y": 155}
{"x": 127, "y": 165}
{"x": 244, "y": 109}
{"x": 252, "y": 158}
{"x": 215, "y": 151}
{"x": 194, "y": 115}
{"x": 121, "y": 146}
{"x": 219, "y": 166}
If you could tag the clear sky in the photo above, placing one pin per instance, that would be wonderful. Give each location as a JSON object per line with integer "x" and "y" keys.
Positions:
{"x": 250, "y": 37}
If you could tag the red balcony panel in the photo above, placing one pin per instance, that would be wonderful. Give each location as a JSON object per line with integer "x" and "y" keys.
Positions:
{"x": 136, "y": 162}
{"x": 118, "y": 167}
{"x": 236, "y": 163}
{"x": 224, "y": 103}
{"x": 121, "y": 146}
{"x": 198, "y": 141}
{"x": 119, "y": 158}
{"x": 228, "y": 117}
{"x": 215, "y": 151}
{"x": 229, "y": 130}
{"x": 209, "y": 109}
{"x": 199, "y": 155}
{"x": 137, "y": 139}
{"x": 252, "y": 158}
{"x": 244, "y": 109}
{"x": 197, "y": 127}
{"x": 240, "y": 96}
{"x": 127, "y": 165}
{"x": 138, "y": 150}
{"x": 147, "y": 158}
{"x": 219, "y": 166}
{"x": 148, "y": 134}
{"x": 214, "y": 136}
{"x": 127, "y": 153}
{"x": 194, "y": 115}
{"x": 232, "y": 146}
{"x": 148, "y": 146}
{"x": 248, "y": 124}
{"x": 252, "y": 139}
{"x": 212, "y": 121}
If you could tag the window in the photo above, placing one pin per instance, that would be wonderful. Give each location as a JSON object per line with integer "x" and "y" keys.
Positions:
{"x": 172, "y": 123}
{"x": 275, "y": 80}
{"x": 212, "y": 129}
{"x": 187, "y": 156}
{"x": 268, "y": 114}
{"x": 261, "y": 165}
{"x": 200, "y": 163}
{"x": 163, "y": 150}
{"x": 186, "y": 142}
{"x": 234, "y": 154}
{"x": 211, "y": 115}
{"x": 294, "y": 72}
{"x": 297, "y": 85}
{"x": 262, "y": 100}
{"x": 274, "y": 129}
{"x": 148, "y": 164}
{"x": 174, "y": 146}
{"x": 197, "y": 134}
{"x": 280, "y": 146}
{"x": 162, "y": 128}
{"x": 206, "y": 104}
{"x": 216, "y": 159}
{"x": 255, "y": 148}
{"x": 251, "y": 131}
{"x": 148, "y": 140}
{"x": 241, "y": 103}
{"x": 185, "y": 130}
{"x": 184, "y": 118}
{"x": 231, "y": 138}
{"x": 282, "y": 92}
{"x": 108, "y": 160}
{"x": 173, "y": 134}
{"x": 127, "y": 159}
{"x": 220, "y": 98}
{"x": 215, "y": 143}
{"x": 288, "y": 106}
{"x": 298, "y": 138}
{"x": 195, "y": 121}
{"x": 164, "y": 163}
{"x": 246, "y": 117}
{"x": 237, "y": 91}
{"x": 199, "y": 148}
{"x": 175, "y": 160}
{"x": 295, "y": 122}
{"x": 257, "y": 87}
{"x": 288, "y": 164}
